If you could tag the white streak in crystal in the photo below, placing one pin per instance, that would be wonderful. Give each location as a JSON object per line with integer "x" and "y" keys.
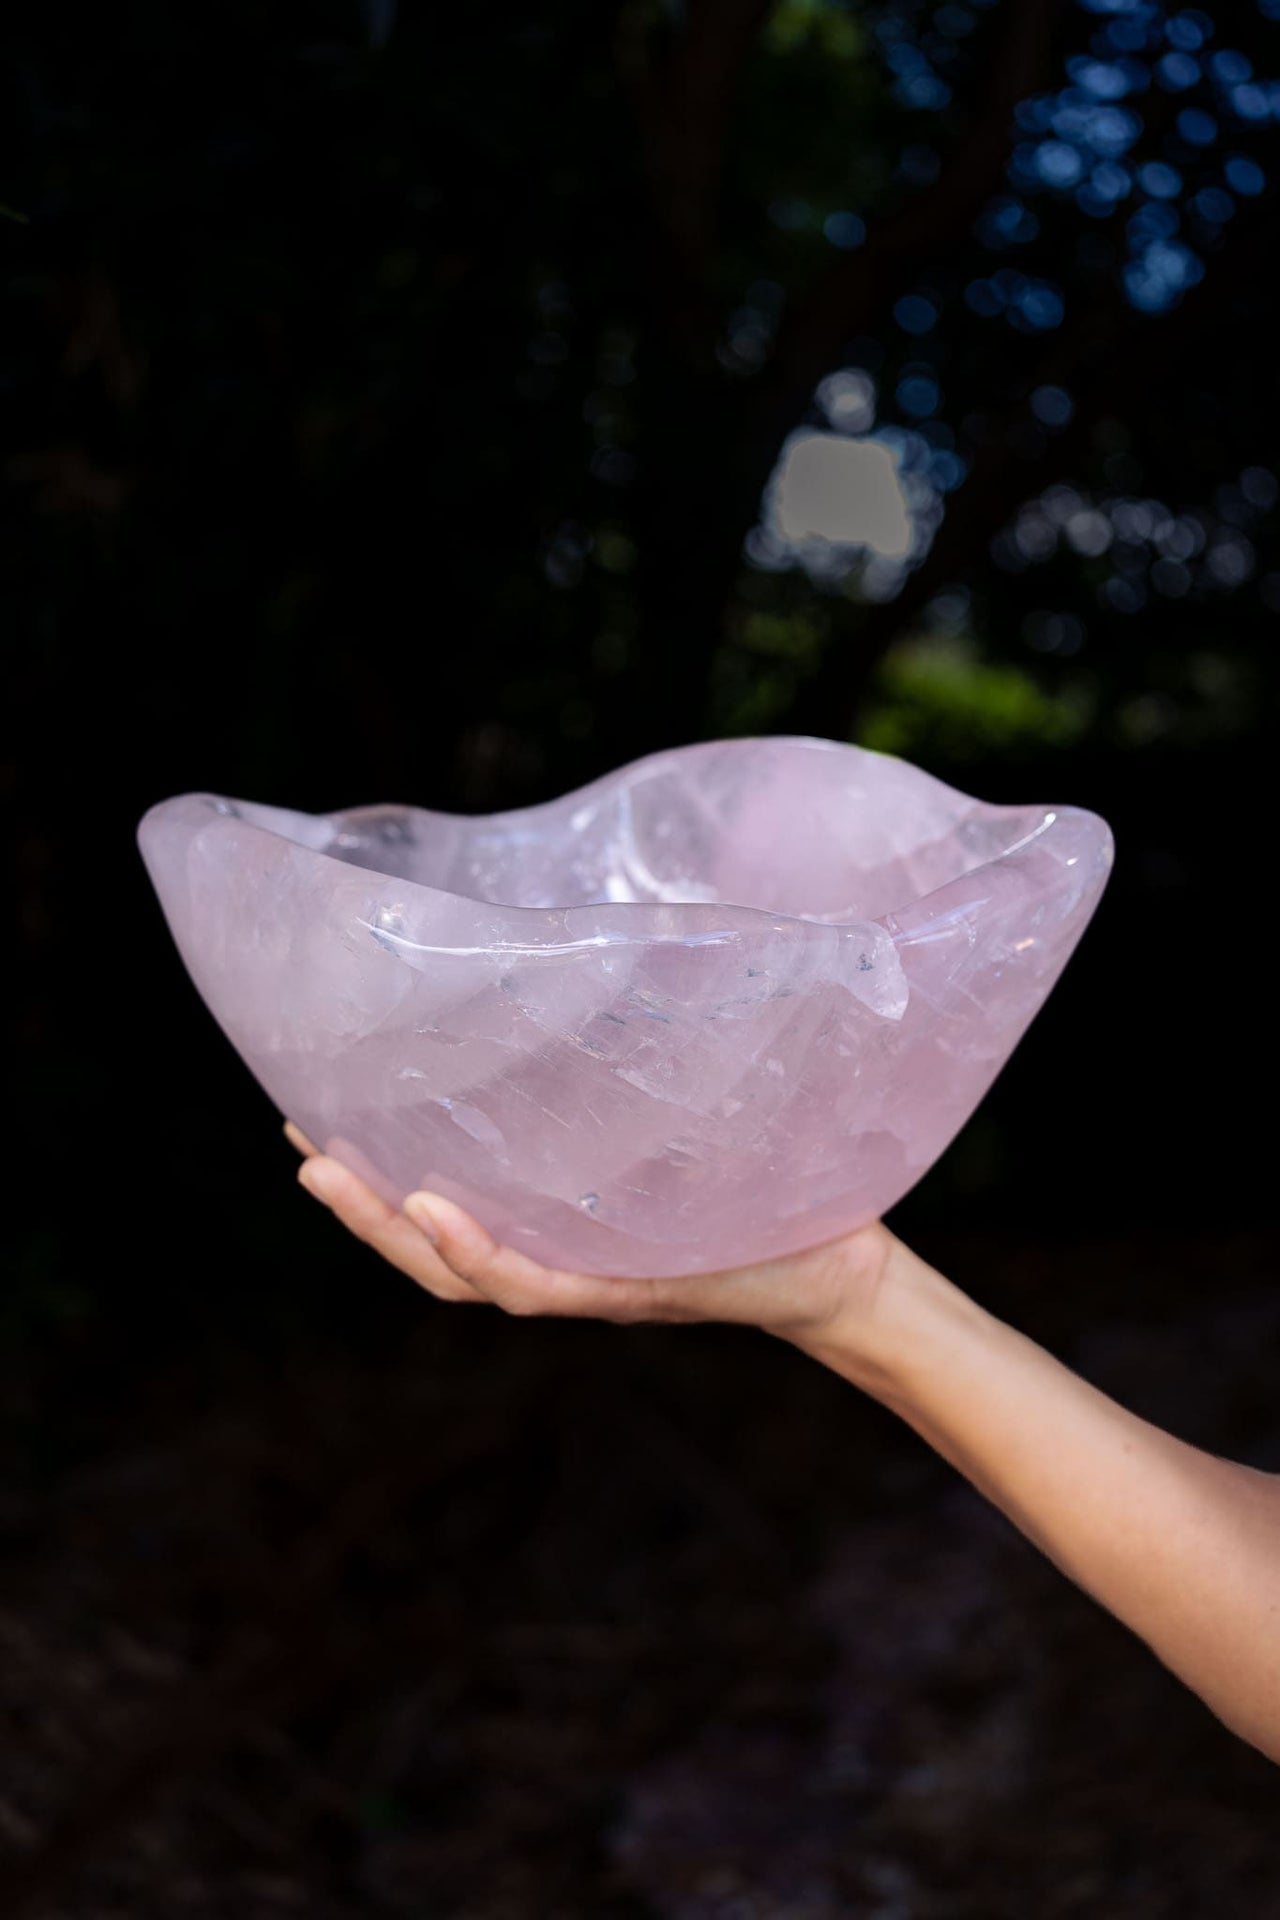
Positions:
{"x": 548, "y": 949}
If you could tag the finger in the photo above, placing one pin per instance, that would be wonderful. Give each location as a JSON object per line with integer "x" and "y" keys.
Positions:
{"x": 518, "y": 1284}
{"x": 381, "y": 1227}
{"x": 297, "y": 1138}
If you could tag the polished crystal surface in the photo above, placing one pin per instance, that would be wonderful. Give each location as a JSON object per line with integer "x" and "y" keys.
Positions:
{"x": 727, "y": 1002}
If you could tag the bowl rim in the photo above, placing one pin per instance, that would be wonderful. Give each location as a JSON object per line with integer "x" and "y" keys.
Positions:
{"x": 560, "y": 923}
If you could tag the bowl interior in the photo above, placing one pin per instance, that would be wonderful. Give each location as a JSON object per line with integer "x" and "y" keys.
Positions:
{"x": 797, "y": 827}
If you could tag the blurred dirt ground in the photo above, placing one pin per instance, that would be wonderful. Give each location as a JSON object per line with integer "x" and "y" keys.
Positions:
{"x": 428, "y": 1613}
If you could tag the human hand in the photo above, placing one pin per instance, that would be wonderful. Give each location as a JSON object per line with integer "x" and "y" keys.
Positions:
{"x": 801, "y": 1297}
{"x": 1181, "y": 1545}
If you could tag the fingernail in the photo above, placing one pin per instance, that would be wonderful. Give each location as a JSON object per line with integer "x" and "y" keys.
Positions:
{"x": 317, "y": 1179}
{"x": 418, "y": 1208}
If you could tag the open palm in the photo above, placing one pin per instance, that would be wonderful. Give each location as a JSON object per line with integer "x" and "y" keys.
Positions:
{"x": 446, "y": 1251}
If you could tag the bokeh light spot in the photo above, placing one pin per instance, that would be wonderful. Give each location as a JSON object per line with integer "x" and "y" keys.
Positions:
{"x": 1160, "y": 180}
{"x": 915, "y": 314}
{"x": 1244, "y": 175}
{"x": 846, "y": 492}
{"x": 1198, "y": 128}
{"x": 844, "y": 230}
{"x": 1052, "y": 406}
{"x": 919, "y": 395}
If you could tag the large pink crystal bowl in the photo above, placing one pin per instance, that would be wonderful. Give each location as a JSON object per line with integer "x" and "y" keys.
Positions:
{"x": 727, "y": 1002}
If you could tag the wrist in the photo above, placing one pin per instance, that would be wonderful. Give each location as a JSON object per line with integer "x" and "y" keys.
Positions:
{"x": 889, "y": 1323}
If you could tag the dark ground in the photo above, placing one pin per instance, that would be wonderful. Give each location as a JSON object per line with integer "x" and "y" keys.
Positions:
{"x": 438, "y": 1614}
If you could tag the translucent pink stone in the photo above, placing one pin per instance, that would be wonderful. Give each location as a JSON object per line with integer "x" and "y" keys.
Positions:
{"x": 727, "y": 1002}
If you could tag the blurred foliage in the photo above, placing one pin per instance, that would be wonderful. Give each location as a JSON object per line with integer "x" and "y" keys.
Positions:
{"x": 444, "y": 360}
{"x": 935, "y": 696}
{"x": 393, "y": 398}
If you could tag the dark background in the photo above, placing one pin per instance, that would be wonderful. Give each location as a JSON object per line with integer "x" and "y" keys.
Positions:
{"x": 389, "y": 399}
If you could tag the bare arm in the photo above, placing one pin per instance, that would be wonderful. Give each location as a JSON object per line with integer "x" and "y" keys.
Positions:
{"x": 1181, "y": 1546}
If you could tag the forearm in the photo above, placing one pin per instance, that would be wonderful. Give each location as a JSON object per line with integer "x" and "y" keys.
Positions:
{"x": 1181, "y": 1546}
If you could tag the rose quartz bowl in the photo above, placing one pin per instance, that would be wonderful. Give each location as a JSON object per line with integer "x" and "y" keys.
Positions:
{"x": 725, "y": 1003}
